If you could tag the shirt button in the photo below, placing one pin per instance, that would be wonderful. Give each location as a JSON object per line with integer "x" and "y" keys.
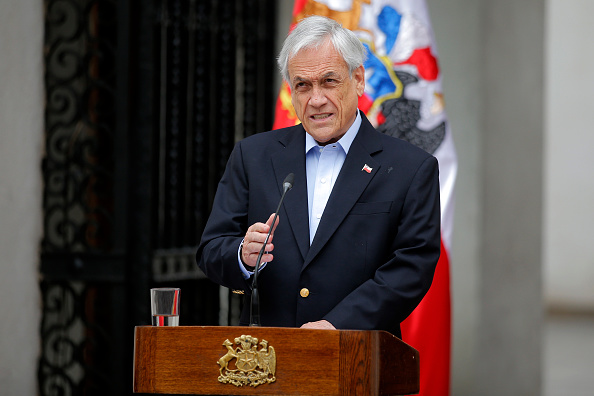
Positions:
{"x": 323, "y": 180}
{"x": 304, "y": 292}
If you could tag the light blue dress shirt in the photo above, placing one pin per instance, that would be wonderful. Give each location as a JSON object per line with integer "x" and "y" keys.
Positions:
{"x": 322, "y": 165}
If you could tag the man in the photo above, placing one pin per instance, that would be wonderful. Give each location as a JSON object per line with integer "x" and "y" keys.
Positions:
{"x": 358, "y": 237}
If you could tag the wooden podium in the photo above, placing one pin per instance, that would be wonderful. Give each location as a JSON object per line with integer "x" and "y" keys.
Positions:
{"x": 197, "y": 360}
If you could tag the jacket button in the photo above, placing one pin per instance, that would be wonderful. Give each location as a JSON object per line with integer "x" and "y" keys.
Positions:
{"x": 304, "y": 292}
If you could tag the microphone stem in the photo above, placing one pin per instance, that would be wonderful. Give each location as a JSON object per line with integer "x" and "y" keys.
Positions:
{"x": 255, "y": 299}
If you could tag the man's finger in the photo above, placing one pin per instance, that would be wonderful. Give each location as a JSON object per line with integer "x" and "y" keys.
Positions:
{"x": 319, "y": 325}
{"x": 269, "y": 222}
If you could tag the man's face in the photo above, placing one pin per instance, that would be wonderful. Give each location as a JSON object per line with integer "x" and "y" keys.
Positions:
{"x": 324, "y": 96}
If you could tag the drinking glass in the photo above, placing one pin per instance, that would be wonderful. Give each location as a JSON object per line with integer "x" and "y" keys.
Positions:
{"x": 165, "y": 306}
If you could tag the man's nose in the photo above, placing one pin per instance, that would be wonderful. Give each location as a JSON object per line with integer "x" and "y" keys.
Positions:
{"x": 318, "y": 96}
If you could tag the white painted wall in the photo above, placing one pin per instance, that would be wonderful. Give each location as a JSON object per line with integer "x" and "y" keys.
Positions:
{"x": 569, "y": 158}
{"x": 458, "y": 37}
{"x": 491, "y": 58}
{"x": 21, "y": 140}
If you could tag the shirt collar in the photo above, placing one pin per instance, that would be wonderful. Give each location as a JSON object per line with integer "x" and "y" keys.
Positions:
{"x": 345, "y": 141}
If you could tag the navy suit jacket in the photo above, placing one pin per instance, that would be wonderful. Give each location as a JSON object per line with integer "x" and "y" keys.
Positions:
{"x": 374, "y": 253}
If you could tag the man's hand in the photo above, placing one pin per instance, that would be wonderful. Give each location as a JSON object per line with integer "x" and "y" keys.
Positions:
{"x": 253, "y": 241}
{"x": 320, "y": 325}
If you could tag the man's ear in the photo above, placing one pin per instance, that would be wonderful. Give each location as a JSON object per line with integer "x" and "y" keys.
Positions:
{"x": 359, "y": 77}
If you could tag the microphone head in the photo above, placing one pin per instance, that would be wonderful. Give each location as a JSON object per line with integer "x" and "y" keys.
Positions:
{"x": 288, "y": 183}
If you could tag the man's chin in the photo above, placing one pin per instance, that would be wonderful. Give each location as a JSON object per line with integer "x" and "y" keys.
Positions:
{"x": 321, "y": 135}
{"x": 324, "y": 139}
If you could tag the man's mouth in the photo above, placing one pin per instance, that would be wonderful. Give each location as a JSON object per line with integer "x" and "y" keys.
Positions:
{"x": 320, "y": 116}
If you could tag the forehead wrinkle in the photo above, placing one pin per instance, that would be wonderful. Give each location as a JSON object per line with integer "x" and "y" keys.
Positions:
{"x": 324, "y": 76}
{"x": 330, "y": 74}
{"x": 298, "y": 78}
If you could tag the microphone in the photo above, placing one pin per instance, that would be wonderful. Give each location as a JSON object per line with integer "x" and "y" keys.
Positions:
{"x": 255, "y": 301}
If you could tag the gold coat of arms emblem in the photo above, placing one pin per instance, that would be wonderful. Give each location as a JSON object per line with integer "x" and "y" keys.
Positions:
{"x": 245, "y": 364}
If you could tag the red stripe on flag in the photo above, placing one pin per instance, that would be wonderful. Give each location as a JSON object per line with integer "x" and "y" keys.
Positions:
{"x": 299, "y": 4}
{"x": 428, "y": 329}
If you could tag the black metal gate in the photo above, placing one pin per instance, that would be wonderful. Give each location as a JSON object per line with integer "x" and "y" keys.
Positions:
{"x": 144, "y": 101}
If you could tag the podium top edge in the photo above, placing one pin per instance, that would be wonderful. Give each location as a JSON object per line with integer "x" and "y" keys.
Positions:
{"x": 263, "y": 328}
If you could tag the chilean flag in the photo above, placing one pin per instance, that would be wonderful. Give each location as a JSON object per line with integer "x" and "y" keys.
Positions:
{"x": 403, "y": 97}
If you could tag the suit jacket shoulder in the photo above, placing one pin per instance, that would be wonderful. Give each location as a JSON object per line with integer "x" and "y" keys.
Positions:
{"x": 278, "y": 138}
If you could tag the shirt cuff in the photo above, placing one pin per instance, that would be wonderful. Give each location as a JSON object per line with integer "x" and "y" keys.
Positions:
{"x": 246, "y": 274}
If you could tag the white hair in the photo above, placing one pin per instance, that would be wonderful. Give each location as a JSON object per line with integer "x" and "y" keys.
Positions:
{"x": 314, "y": 31}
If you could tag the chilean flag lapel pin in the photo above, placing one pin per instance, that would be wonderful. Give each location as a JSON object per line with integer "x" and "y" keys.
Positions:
{"x": 367, "y": 168}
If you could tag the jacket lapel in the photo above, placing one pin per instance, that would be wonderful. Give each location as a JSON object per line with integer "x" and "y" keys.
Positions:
{"x": 350, "y": 184}
{"x": 291, "y": 159}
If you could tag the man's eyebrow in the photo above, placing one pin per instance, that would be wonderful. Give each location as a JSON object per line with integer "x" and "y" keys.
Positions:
{"x": 329, "y": 74}
{"x": 325, "y": 76}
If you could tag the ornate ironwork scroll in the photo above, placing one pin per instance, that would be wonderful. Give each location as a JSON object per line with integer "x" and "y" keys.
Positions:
{"x": 72, "y": 342}
{"x": 78, "y": 165}
{"x": 78, "y": 197}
